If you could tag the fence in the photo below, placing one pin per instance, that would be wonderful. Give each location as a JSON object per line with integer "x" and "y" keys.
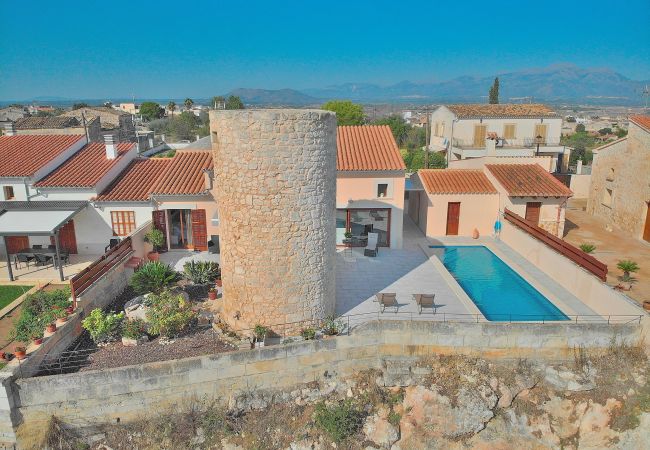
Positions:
{"x": 84, "y": 279}
{"x": 576, "y": 255}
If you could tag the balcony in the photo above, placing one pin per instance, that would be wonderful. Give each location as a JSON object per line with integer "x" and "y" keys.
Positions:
{"x": 506, "y": 147}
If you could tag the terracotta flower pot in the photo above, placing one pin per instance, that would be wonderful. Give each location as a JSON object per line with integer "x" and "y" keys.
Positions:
{"x": 20, "y": 354}
{"x": 212, "y": 295}
{"x": 37, "y": 341}
{"x": 50, "y": 327}
{"x": 62, "y": 320}
{"x": 219, "y": 283}
{"x": 153, "y": 256}
{"x": 69, "y": 309}
{"x": 3, "y": 356}
{"x": 475, "y": 234}
{"x": 646, "y": 305}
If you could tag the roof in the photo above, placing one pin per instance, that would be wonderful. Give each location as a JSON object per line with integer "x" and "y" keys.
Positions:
{"x": 528, "y": 180}
{"x": 30, "y": 123}
{"x": 23, "y": 156}
{"x": 37, "y": 218}
{"x": 180, "y": 175}
{"x": 367, "y": 147}
{"x": 86, "y": 167}
{"x": 642, "y": 121}
{"x": 205, "y": 143}
{"x": 184, "y": 176}
{"x": 98, "y": 109}
{"x": 456, "y": 181}
{"x": 43, "y": 205}
{"x": 502, "y": 110}
{"x": 609, "y": 144}
{"x": 136, "y": 181}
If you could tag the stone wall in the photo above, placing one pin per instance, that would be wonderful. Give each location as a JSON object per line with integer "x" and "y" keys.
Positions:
{"x": 275, "y": 172}
{"x": 624, "y": 169}
{"x": 126, "y": 393}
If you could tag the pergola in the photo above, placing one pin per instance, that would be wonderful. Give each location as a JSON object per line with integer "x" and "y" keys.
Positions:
{"x": 36, "y": 218}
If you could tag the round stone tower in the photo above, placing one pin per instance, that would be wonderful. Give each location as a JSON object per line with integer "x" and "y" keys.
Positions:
{"x": 275, "y": 179}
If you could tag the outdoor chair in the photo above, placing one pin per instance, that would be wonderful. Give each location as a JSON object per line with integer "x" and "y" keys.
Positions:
{"x": 20, "y": 258}
{"x": 387, "y": 300}
{"x": 52, "y": 247}
{"x": 372, "y": 246}
{"x": 425, "y": 301}
{"x": 37, "y": 247}
{"x": 65, "y": 257}
{"x": 112, "y": 243}
{"x": 43, "y": 260}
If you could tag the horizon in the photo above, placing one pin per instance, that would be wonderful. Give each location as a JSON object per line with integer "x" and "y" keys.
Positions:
{"x": 91, "y": 54}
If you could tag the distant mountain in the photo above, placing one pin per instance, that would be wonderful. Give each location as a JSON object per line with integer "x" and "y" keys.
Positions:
{"x": 274, "y": 97}
{"x": 559, "y": 82}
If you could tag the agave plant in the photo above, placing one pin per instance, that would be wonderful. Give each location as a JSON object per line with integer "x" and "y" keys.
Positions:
{"x": 587, "y": 248}
{"x": 627, "y": 267}
{"x": 201, "y": 272}
{"x": 153, "y": 277}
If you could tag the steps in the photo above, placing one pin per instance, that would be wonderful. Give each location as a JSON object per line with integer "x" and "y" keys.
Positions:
{"x": 134, "y": 262}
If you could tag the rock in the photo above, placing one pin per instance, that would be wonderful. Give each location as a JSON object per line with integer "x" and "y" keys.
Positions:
{"x": 594, "y": 427}
{"x": 506, "y": 397}
{"x": 136, "y": 308}
{"x": 380, "y": 431}
{"x": 305, "y": 444}
{"x": 227, "y": 445}
{"x": 128, "y": 342}
{"x": 566, "y": 380}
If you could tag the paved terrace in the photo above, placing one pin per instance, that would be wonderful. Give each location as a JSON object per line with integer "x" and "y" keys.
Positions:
{"x": 415, "y": 270}
{"x": 46, "y": 274}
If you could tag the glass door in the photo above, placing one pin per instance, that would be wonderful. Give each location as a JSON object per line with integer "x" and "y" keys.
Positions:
{"x": 180, "y": 228}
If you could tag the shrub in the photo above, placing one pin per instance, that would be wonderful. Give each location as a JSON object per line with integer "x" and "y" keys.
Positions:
{"x": 627, "y": 267}
{"x": 134, "y": 329}
{"x": 308, "y": 333}
{"x": 260, "y": 332}
{"x": 39, "y": 309}
{"x": 332, "y": 326}
{"x": 41, "y": 302}
{"x": 28, "y": 326}
{"x": 156, "y": 238}
{"x": 102, "y": 326}
{"x": 153, "y": 277}
{"x": 339, "y": 421}
{"x": 587, "y": 248}
{"x": 201, "y": 272}
{"x": 169, "y": 314}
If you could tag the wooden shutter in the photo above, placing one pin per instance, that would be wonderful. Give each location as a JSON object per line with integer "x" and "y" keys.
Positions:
{"x": 16, "y": 244}
{"x": 540, "y": 130}
{"x": 453, "y": 218}
{"x": 159, "y": 223}
{"x": 532, "y": 212}
{"x": 199, "y": 230}
{"x": 68, "y": 238}
{"x": 509, "y": 131}
{"x": 480, "y": 132}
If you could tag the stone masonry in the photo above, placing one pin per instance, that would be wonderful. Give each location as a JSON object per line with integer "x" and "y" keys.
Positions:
{"x": 276, "y": 175}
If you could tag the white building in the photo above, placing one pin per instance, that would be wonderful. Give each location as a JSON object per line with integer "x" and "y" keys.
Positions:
{"x": 471, "y": 131}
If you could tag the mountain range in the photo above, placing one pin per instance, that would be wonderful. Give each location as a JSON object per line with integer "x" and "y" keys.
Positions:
{"x": 556, "y": 83}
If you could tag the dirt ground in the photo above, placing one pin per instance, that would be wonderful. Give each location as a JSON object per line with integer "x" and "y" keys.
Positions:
{"x": 611, "y": 247}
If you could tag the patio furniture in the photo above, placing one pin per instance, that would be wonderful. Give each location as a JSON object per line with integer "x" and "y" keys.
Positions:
{"x": 43, "y": 259}
{"x": 21, "y": 258}
{"x": 112, "y": 243}
{"x": 425, "y": 301}
{"x": 65, "y": 257}
{"x": 37, "y": 247}
{"x": 372, "y": 245}
{"x": 387, "y": 300}
{"x": 51, "y": 247}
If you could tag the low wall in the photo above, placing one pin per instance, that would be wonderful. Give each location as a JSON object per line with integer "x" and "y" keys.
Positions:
{"x": 597, "y": 295}
{"x": 128, "y": 393}
{"x": 547, "y": 162}
{"x": 580, "y": 185}
{"x": 140, "y": 247}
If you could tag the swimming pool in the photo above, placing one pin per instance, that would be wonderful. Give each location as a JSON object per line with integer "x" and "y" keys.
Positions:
{"x": 499, "y": 292}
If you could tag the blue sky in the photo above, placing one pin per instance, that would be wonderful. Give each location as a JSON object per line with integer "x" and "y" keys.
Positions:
{"x": 172, "y": 49}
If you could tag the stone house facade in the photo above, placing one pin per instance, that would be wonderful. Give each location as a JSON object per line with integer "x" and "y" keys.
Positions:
{"x": 118, "y": 123}
{"x": 620, "y": 181}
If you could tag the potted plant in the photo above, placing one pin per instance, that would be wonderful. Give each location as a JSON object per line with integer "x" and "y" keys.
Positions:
{"x": 3, "y": 356}
{"x": 646, "y": 305}
{"x": 20, "y": 352}
{"x": 70, "y": 310}
{"x": 212, "y": 294}
{"x": 50, "y": 327}
{"x": 156, "y": 238}
{"x": 259, "y": 333}
{"x": 37, "y": 338}
{"x": 60, "y": 314}
{"x": 134, "y": 332}
{"x": 627, "y": 267}
{"x": 219, "y": 281}
{"x": 308, "y": 334}
{"x": 332, "y": 326}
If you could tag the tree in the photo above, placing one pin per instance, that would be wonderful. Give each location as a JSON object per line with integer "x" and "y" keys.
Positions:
{"x": 604, "y": 131}
{"x": 172, "y": 107}
{"x": 79, "y": 105}
{"x": 218, "y": 100}
{"x": 151, "y": 110}
{"x": 188, "y": 103}
{"x": 580, "y": 128}
{"x": 108, "y": 104}
{"x": 397, "y": 125}
{"x": 234, "y": 102}
{"x": 347, "y": 113}
{"x": 494, "y": 92}
{"x": 620, "y": 132}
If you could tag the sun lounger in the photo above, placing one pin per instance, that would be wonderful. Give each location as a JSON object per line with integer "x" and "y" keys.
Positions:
{"x": 387, "y": 300}
{"x": 425, "y": 301}
{"x": 373, "y": 246}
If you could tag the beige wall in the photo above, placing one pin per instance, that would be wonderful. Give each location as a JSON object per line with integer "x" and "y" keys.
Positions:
{"x": 359, "y": 190}
{"x": 477, "y": 211}
{"x": 547, "y": 162}
{"x": 630, "y": 186}
{"x": 580, "y": 185}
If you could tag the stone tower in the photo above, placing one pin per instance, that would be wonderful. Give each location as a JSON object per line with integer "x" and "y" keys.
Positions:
{"x": 275, "y": 178}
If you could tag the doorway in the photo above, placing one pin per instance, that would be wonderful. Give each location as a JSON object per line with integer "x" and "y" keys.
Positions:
{"x": 532, "y": 212}
{"x": 453, "y": 218}
{"x": 646, "y": 229}
{"x": 67, "y": 238}
{"x": 180, "y": 228}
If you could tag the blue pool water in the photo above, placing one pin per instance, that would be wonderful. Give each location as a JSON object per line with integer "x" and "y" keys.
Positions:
{"x": 499, "y": 292}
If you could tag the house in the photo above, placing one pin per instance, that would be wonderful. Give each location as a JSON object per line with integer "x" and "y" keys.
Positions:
{"x": 460, "y": 201}
{"x": 12, "y": 113}
{"x": 471, "y": 131}
{"x": 115, "y": 122}
{"x": 58, "y": 125}
{"x": 370, "y": 184}
{"x": 130, "y": 108}
{"x": 620, "y": 180}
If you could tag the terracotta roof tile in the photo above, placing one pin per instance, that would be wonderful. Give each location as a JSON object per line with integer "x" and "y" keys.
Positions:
{"x": 23, "y": 156}
{"x": 34, "y": 122}
{"x": 502, "y": 110}
{"x": 367, "y": 147}
{"x": 86, "y": 167}
{"x": 642, "y": 121}
{"x": 456, "y": 181}
{"x": 136, "y": 181}
{"x": 184, "y": 176}
{"x": 528, "y": 180}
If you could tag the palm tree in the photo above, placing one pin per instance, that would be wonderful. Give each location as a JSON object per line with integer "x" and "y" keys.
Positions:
{"x": 627, "y": 267}
{"x": 172, "y": 107}
{"x": 188, "y": 103}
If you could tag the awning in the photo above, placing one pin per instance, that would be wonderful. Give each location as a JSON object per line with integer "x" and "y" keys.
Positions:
{"x": 36, "y": 218}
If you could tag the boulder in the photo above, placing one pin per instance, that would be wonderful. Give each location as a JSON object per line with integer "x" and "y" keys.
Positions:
{"x": 380, "y": 431}
{"x": 136, "y": 308}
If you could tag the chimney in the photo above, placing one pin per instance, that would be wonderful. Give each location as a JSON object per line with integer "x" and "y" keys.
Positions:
{"x": 9, "y": 129}
{"x": 208, "y": 177}
{"x": 111, "y": 146}
{"x": 491, "y": 147}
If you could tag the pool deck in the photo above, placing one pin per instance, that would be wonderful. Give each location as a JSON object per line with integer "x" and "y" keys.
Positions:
{"x": 415, "y": 269}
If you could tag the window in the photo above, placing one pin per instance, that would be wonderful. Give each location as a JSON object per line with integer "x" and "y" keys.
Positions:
{"x": 540, "y": 130}
{"x": 382, "y": 190}
{"x": 480, "y": 133}
{"x": 353, "y": 226}
{"x": 8, "y": 192}
{"x": 610, "y": 175}
{"x": 123, "y": 222}
{"x": 509, "y": 131}
{"x": 607, "y": 197}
